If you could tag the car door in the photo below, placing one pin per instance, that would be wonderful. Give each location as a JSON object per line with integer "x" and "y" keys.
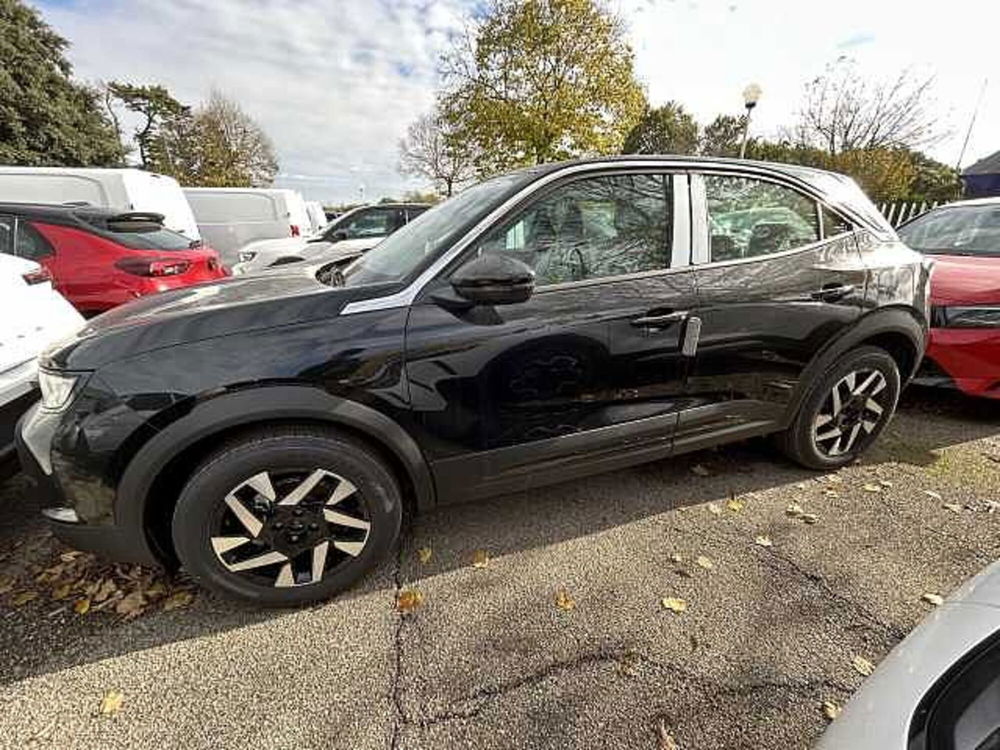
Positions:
{"x": 778, "y": 275}
{"x": 588, "y": 373}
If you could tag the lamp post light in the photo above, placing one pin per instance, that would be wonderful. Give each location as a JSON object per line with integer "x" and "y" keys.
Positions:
{"x": 751, "y": 94}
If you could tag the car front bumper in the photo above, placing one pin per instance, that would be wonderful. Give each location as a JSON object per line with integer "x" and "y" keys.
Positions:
{"x": 34, "y": 437}
{"x": 970, "y": 357}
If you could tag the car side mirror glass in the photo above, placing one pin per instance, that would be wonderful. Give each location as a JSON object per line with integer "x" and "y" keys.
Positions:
{"x": 494, "y": 279}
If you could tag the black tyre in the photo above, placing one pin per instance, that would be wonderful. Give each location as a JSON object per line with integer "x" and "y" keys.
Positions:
{"x": 287, "y": 516}
{"x": 846, "y": 411}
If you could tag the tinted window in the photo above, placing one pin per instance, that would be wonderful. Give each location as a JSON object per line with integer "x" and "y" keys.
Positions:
{"x": 373, "y": 222}
{"x": 7, "y": 235}
{"x": 30, "y": 244}
{"x": 833, "y": 224}
{"x": 960, "y": 230}
{"x": 593, "y": 228}
{"x": 749, "y": 218}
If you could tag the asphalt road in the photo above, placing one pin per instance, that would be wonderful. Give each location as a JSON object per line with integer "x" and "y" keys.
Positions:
{"x": 488, "y": 659}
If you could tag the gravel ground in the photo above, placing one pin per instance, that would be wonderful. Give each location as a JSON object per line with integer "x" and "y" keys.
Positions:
{"x": 488, "y": 660}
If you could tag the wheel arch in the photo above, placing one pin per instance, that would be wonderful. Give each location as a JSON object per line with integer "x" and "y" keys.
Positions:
{"x": 150, "y": 484}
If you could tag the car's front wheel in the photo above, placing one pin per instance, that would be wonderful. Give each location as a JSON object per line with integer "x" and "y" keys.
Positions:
{"x": 286, "y": 516}
{"x": 846, "y": 411}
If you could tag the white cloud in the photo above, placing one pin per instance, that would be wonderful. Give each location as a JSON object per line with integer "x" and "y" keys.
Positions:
{"x": 335, "y": 83}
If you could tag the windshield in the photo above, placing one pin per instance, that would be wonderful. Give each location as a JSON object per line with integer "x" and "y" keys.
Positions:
{"x": 401, "y": 254}
{"x": 958, "y": 230}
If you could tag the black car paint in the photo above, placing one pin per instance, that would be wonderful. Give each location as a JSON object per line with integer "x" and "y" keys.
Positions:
{"x": 465, "y": 403}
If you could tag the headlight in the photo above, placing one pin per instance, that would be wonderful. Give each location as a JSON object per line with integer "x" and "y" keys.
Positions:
{"x": 56, "y": 388}
{"x": 246, "y": 256}
{"x": 966, "y": 317}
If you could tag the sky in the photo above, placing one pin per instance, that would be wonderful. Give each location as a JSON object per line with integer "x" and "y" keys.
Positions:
{"x": 336, "y": 82}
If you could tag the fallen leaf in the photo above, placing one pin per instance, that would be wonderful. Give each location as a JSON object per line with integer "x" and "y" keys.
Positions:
{"x": 673, "y": 604}
{"x": 885, "y": 482}
{"x": 61, "y": 591}
{"x": 70, "y": 556}
{"x": 704, "y": 562}
{"x": 810, "y": 518}
{"x": 665, "y": 740}
{"x": 735, "y": 504}
{"x": 953, "y": 507}
{"x": 111, "y": 703}
{"x": 714, "y": 509}
{"x": 23, "y": 598}
{"x": 863, "y": 666}
{"x": 480, "y": 558}
{"x": 6, "y": 584}
{"x": 831, "y": 710}
{"x": 408, "y": 600}
{"x": 700, "y": 471}
{"x": 936, "y": 599}
{"x": 424, "y": 554}
{"x": 677, "y": 558}
{"x": 131, "y": 605}
{"x": 81, "y": 606}
{"x": 834, "y": 478}
{"x": 763, "y": 541}
{"x": 831, "y": 493}
{"x": 177, "y": 600}
{"x": 564, "y": 601}
{"x": 794, "y": 510}
{"x": 155, "y": 589}
{"x": 992, "y": 506}
{"x": 106, "y": 588}
{"x": 872, "y": 488}
{"x": 932, "y": 494}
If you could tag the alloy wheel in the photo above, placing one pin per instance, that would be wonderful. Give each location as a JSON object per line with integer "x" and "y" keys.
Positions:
{"x": 852, "y": 411}
{"x": 290, "y": 528}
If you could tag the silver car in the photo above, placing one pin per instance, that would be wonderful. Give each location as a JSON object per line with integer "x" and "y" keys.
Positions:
{"x": 940, "y": 688}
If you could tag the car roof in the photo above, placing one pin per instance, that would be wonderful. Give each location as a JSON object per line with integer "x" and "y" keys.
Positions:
{"x": 57, "y": 210}
{"x": 992, "y": 201}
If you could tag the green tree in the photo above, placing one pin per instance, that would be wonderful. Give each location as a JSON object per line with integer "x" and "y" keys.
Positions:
{"x": 663, "y": 130}
{"x": 46, "y": 118}
{"x": 722, "y": 136}
{"x": 541, "y": 80}
{"x": 156, "y": 107}
{"x": 934, "y": 181}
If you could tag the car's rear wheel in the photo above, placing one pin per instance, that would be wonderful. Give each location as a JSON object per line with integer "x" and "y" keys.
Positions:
{"x": 846, "y": 411}
{"x": 286, "y": 516}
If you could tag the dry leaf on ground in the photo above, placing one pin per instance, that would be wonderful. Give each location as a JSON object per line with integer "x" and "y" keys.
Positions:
{"x": 424, "y": 554}
{"x": 700, "y": 471}
{"x": 872, "y": 488}
{"x": 794, "y": 510}
{"x": 111, "y": 703}
{"x": 23, "y": 598}
{"x": 81, "y": 606}
{"x": 863, "y": 666}
{"x": 677, "y": 557}
{"x": 564, "y": 601}
{"x": 131, "y": 605}
{"x": 408, "y": 600}
{"x": 673, "y": 604}
{"x": 714, "y": 509}
{"x": 809, "y": 518}
{"x": 735, "y": 504}
{"x": 953, "y": 507}
{"x": 61, "y": 591}
{"x": 6, "y": 584}
{"x": 885, "y": 482}
{"x": 763, "y": 541}
{"x": 936, "y": 599}
{"x": 480, "y": 558}
{"x": 177, "y": 600}
{"x": 665, "y": 740}
{"x": 704, "y": 562}
{"x": 831, "y": 710}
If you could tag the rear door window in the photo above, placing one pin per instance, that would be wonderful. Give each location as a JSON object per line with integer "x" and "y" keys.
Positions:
{"x": 7, "y": 225}
{"x": 30, "y": 244}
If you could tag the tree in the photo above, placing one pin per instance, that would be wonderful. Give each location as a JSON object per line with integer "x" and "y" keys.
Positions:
{"x": 541, "y": 80}
{"x": 154, "y": 105}
{"x": 219, "y": 145}
{"x": 46, "y": 118}
{"x": 722, "y": 136}
{"x": 844, "y": 111}
{"x": 663, "y": 130}
{"x": 429, "y": 150}
{"x": 934, "y": 181}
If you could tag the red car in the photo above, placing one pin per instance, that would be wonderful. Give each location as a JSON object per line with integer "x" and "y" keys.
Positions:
{"x": 964, "y": 347}
{"x": 98, "y": 258}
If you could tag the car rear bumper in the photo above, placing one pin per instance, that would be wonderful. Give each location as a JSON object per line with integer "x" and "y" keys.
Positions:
{"x": 33, "y": 438}
{"x": 970, "y": 357}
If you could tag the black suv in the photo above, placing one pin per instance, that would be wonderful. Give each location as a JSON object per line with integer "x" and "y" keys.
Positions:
{"x": 267, "y": 432}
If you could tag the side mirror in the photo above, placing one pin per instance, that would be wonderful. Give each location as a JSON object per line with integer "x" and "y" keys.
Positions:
{"x": 494, "y": 279}
{"x": 339, "y": 235}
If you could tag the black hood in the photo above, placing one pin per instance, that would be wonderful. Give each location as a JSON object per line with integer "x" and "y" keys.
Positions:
{"x": 233, "y": 305}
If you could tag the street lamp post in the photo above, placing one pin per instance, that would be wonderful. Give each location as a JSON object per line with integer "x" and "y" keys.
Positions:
{"x": 750, "y": 96}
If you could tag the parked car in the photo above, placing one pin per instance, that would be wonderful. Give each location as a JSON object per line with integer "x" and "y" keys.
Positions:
{"x": 229, "y": 218}
{"x": 98, "y": 258}
{"x": 357, "y": 230}
{"x": 118, "y": 190}
{"x": 34, "y": 315}
{"x": 544, "y": 325}
{"x": 317, "y": 217}
{"x": 938, "y": 689}
{"x": 964, "y": 347}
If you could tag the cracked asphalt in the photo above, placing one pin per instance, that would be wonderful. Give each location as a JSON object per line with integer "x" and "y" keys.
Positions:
{"x": 489, "y": 661}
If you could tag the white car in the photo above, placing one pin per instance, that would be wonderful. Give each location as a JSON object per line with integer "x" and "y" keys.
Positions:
{"x": 355, "y": 231}
{"x": 34, "y": 315}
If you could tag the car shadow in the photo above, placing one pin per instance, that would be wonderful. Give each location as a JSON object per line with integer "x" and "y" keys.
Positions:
{"x": 45, "y": 636}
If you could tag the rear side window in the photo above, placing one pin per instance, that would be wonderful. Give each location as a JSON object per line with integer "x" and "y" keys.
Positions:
{"x": 961, "y": 230}
{"x": 834, "y": 224}
{"x": 21, "y": 239}
{"x": 233, "y": 208}
{"x": 7, "y": 235}
{"x": 139, "y": 233}
{"x": 749, "y": 217}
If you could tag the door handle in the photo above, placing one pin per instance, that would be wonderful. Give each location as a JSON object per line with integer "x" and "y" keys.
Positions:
{"x": 659, "y": 320}
{"x": 832, "y": 293}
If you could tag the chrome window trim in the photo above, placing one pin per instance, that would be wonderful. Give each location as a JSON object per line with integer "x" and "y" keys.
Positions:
{"x": 406, "y": 296}
{"x": 758, "y": 258}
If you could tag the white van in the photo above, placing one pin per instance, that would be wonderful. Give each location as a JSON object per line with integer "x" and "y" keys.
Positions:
{"x": 317, "y": 216}
{"x": 229, "y": 218}
{"x": 117, "y": 189}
